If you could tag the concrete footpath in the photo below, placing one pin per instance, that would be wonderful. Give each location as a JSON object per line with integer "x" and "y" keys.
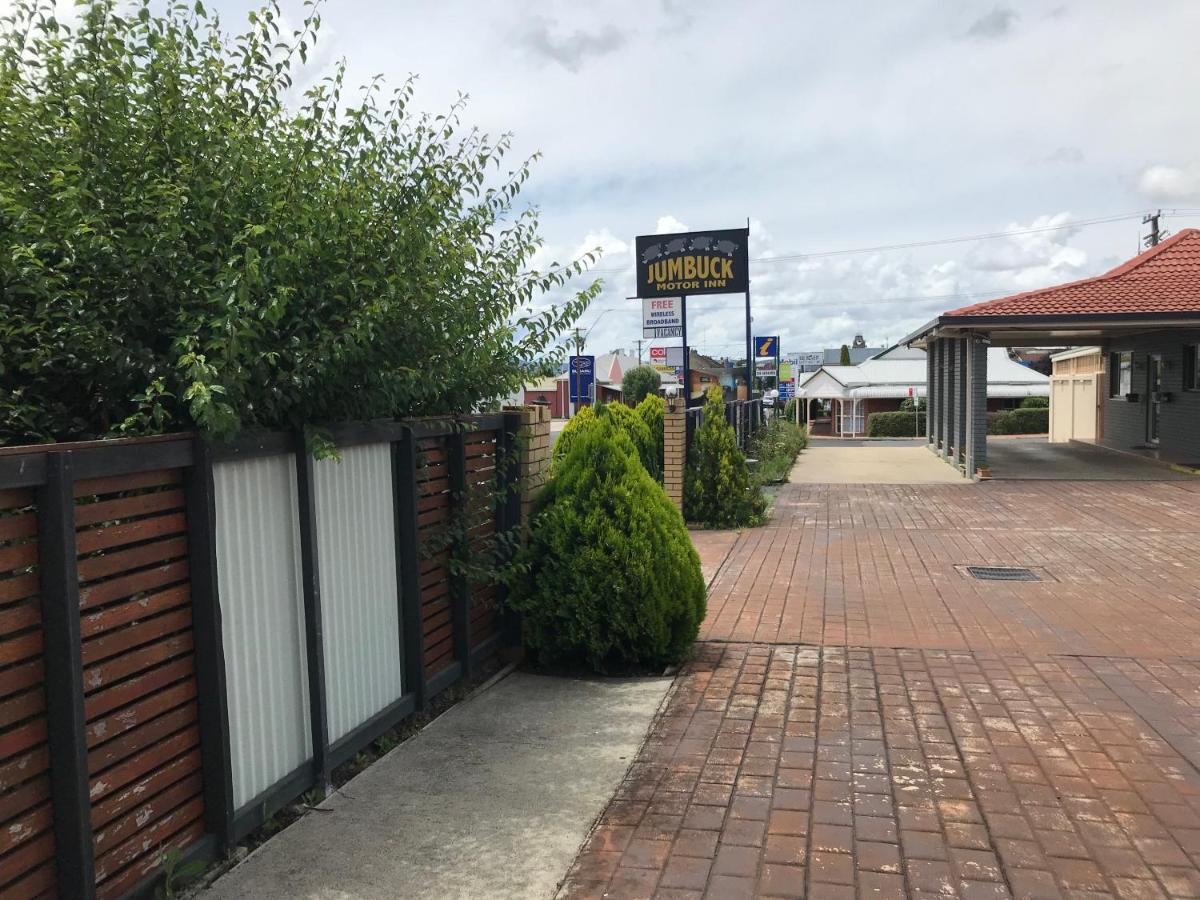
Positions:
{"x": 872, "y": 463}
{"x": 493, "y": 799}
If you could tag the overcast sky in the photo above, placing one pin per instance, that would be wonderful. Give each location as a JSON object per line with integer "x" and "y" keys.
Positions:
{"x": 830, "y": 126}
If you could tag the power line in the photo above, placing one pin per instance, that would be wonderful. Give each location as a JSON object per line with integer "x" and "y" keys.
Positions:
{"x": 910, "y": 245}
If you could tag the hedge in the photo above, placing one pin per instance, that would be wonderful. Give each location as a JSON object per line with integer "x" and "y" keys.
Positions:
{"x": 717, "y": 490}
{"x": 1035, "y": 403}
{"x": 1019, "y": 421}
{"x": 609, "y": 577}
{"x": 896, "y": 424}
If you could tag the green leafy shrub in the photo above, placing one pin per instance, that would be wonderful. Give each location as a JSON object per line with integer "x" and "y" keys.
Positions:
{"x": 185, "y": 243}
{"x": 717, "y": 490}
{"x": 1020, "y": 421}
{"x": 776, "y": 448}
{"x": 896, "y": 424}
{"x": 1035, "y": 403}
{"x": 584, "y": 417}
{"x": 906, "y": 405}
{"x": 640, "y": 382}
{"x": 626, "y": 419}
{"x": 609, "y": 577}
{"x": 653, "y": 410}
{"x": 789, "y": 409}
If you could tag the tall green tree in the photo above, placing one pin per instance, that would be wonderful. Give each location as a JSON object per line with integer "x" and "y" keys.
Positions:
{"x": 187, "y": 242}
{"x": 639, "y": 382}
{"x": 717, "y": 490}
{"x": 845, "y": 357}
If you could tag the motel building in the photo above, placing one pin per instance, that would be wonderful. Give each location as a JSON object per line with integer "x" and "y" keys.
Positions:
{"x": 1141, "y": 322}
{"x": 838, "y": 399}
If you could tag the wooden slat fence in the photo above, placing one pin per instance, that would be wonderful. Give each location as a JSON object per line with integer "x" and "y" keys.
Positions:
{"x": 117, "y": 739}
{"x": 26, "y": 818}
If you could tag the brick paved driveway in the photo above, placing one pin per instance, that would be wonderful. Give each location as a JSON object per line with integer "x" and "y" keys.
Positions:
{"x": 862, "y": 720}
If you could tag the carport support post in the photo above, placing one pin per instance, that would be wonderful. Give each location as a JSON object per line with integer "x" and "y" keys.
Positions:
{"x": 977, "y": 399}
{"x": 947, "y": 397}
{"x": 960, "y": 412}
{"x": 930, "y": 393}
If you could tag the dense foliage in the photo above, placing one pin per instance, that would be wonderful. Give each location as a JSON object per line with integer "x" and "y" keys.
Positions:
{"x": 187, "y": 241}
{"x": 844, "y": 358}
{"x": 1019, "y": 421}
{"x": 907, "y": 404}
{"x": 792, "y": 408}
{"x": 628, "y": 420}
{"x": 639, "y": 382}
{"x": 775, "y": 449}
{"x": 609, "y": 577}
{"x": 896, "y": 424}
{"x": 1035, "y": 403}
{"x": 717, "y": 490}
{"x": 653, "y": 411}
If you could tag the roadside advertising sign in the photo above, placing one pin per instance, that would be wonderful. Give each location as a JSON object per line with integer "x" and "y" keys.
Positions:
{"x": 581, "y": 375}
{"x": 662, "y": 317}
{"x": 693, "y": 262}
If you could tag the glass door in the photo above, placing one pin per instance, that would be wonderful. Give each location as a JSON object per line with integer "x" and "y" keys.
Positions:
{"x": 1154, "y": 365}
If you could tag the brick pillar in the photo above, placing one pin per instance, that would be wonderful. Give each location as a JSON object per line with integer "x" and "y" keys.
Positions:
{"x": 977, "y": 433}
{"x": 960, "y": 400}
{"x": 674, "y": 450}
{"x": 534, "y": 443}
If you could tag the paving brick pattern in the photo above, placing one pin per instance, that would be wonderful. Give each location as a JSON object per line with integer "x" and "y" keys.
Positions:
{"x": 932, "y": 736}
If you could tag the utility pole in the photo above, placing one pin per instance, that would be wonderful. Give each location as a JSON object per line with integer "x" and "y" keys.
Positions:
{"x": 639, "y": 343}
{"x": 1155, "y": 236}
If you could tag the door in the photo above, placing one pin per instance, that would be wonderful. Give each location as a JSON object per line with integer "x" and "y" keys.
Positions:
{"x": 1062, "y": 415}
{"x": 1153, "y": 391}
{"x": 1083, "y": 409}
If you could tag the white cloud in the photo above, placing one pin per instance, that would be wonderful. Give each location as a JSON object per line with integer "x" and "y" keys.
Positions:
{"x": 1171, "y": 184}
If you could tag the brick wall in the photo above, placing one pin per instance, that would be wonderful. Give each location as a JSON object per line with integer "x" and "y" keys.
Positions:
{"x": 674, "y": 450}
{"x": 1179, "y": 424}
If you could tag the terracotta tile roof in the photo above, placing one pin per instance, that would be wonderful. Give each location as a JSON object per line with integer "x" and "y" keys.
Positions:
{"x": 1164, "y": 279}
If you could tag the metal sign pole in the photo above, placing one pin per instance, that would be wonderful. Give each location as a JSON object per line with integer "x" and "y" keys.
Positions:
{"x": 687, "y": 355}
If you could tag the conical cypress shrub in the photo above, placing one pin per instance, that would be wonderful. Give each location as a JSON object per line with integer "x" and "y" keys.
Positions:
{"x": 609, "y": 577}
{"x": 717, "y": 491}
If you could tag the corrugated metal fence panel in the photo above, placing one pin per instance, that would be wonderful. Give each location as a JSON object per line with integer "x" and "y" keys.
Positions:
{"x": 139, "y": 673}
{"x": 262, "y": 606}
{"x": 359, "y": 602}
{"x": 26, "y": 823}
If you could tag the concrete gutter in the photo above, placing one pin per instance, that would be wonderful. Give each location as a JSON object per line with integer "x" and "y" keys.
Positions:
{"x": 493, "y": 799}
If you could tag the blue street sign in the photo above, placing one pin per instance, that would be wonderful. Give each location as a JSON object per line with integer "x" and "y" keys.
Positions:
{"x": 787, "y": 390}
{"x": 581, "y": 375}
{"x": 767, "y": 346}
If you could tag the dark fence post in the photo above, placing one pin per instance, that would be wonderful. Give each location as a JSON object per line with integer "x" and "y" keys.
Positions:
{"x": 460, "y": 590}
{"x": 212, "y": 699}
{"x": 62, "y": 654}
{"x": 408, "y": 559}
{"x": 310, "y": 575}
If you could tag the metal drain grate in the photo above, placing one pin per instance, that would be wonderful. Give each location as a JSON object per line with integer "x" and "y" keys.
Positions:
{"x": 1002, "y": 573}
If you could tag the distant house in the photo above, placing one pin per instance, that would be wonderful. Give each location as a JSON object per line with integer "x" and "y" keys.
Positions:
{"x": 610, "y": 373}
{"x": 839, "y": 398}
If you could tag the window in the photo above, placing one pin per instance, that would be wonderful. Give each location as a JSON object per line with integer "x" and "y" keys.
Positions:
{"x": 1191, "y": 367}
{"x": 1120, "y": 374}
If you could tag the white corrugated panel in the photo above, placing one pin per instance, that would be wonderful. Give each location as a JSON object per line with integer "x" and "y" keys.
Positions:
{"x": 359, "y": 614}
{"x": 262, "y": 616}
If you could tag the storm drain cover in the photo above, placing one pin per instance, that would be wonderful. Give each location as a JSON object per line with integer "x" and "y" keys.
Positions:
{"x": 1002, "y": 573}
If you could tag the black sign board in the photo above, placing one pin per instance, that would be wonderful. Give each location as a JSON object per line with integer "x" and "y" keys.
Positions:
{"x": 698, "y": 262}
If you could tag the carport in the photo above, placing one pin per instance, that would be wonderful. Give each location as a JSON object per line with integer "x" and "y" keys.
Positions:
{"x": 1144, "y": 315}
